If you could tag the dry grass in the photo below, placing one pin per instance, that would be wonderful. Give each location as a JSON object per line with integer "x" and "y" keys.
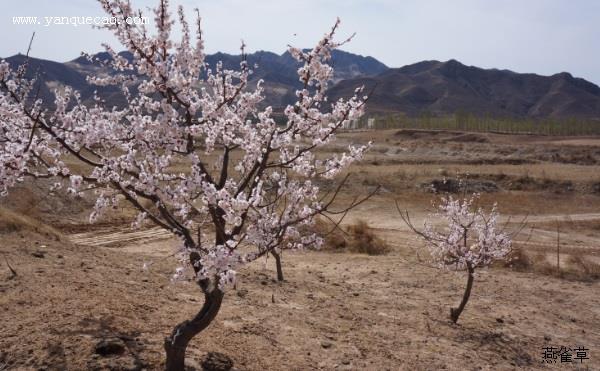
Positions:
{"x": 358, "y": 238}
{"x": 11, "y": 222}
{"x": 335, "y": 238}
{"x": 577, "y": 265}
{"x": 363, "y": 240}
{"x": 582, "y": 268}
{"x": 518, "y": 260}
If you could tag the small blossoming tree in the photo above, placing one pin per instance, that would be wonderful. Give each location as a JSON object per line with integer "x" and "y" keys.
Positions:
{"x": 468, "y": 238}
{"x": 192, "y": 151}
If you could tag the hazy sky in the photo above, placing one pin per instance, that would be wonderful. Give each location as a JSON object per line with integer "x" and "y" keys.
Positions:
{"x": 541, "y": 36}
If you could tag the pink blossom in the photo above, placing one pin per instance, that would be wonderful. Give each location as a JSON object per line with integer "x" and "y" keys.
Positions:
{"x": 183, "y": 113}
{"x": 468, "y": 235}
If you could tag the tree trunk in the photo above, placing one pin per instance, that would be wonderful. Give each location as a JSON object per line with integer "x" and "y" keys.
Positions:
{"x": 176, "y": 343}
{"x": 455, "y": 312}
{"x": 278, "y": 265}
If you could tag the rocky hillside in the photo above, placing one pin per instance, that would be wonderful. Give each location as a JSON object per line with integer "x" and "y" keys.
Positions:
{"x": 278, "y": 72}
{"x": 425, "y": 87}
{"x": 449, "y": 87}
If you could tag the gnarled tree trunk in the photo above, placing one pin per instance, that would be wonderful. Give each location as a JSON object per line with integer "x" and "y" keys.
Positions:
{"x": 176, "y": 343}
{"x": 278, "y": 265}
{"x": 455, "y": 312}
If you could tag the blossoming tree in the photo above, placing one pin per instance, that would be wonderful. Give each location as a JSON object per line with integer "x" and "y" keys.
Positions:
{"x": 470, "y": 239}
{"x": 248, "y": 185}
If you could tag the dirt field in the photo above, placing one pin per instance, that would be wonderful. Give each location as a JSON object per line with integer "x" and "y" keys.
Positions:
{"x": 77, "y": 285}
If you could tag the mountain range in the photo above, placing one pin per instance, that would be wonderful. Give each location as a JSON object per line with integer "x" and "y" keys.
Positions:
{"x": 449, "y": 87}
{"x": 426, "y": 87}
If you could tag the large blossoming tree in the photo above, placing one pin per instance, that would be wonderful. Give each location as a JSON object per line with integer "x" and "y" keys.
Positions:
{"x": 460, "y": 236}
{"x": 193, "y": 150}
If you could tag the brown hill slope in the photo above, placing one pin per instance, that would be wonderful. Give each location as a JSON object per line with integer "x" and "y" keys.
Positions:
{"x": 449, "y": 87}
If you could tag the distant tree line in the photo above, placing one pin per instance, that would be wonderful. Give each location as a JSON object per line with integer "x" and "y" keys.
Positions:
{"x": 463, "y": 121}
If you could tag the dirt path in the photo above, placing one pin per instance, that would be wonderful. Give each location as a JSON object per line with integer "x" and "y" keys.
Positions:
{"x": 537, "y": 237}
{"x": 561, "y": 218}
{"x": 532, "y": 235}
{"x": 118, "y": 237}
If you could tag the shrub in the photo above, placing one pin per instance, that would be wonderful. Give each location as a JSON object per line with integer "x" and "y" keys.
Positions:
{"x": 577, "y": 267}
{"x": 333, "y": 238}
{"x": 364, "y": 241}
{"x": 582, "y": 269}
{"x": 517, "y": 259}
{"x": 357, "y": 238}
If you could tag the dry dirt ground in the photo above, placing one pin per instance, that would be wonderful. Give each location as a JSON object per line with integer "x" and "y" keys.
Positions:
{"x": 77, "y": 285}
